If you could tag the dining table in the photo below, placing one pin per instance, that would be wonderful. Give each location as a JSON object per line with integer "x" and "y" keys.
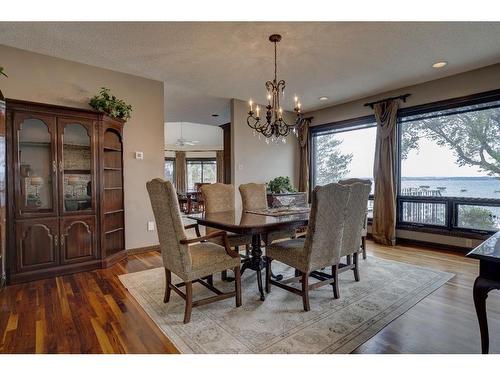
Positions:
{"x": 488, "y": 254}
{"x": 256, "y": 224}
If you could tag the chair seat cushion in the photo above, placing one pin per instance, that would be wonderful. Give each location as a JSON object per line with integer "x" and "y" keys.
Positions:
{"x": 209, "y": 258}
{"x": 290, "y": 252}
{"x": 279, "y": 235}
{"x": 234, "y": 240}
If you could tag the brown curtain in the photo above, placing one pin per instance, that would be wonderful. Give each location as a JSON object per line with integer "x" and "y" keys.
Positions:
{"x": 219, "y": 155}
{"x": 180, "y": 171}
{"x": 384, "y": 206}
{"x": 303, "y": 133}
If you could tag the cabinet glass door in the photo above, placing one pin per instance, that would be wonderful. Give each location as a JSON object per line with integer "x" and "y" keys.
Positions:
{"x": 36, "y": 165}
{"x": 76, "y": 165}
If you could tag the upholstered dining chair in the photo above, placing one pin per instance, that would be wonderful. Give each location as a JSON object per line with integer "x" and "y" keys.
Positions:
{"x": 192, "y": 260}
{"x": 219, "y": 197}
{"x": 334, "y": 229}
{"x": 353, "y": 226}
{"x": 364, "y": 232}
{"x": 254, "y": 197}
{"x": 319, "y": 249}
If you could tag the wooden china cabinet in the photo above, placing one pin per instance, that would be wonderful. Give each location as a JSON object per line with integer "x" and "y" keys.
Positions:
{"x": 3, "y": 172}
{"x": 65, "y": 190}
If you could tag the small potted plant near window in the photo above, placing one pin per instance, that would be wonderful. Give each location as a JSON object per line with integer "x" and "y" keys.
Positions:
{"x": 280, "y": 192}
{"x": 111, "y": 105}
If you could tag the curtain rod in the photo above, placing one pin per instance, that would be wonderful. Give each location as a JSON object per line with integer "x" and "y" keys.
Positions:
{"x": 402, "y": 97}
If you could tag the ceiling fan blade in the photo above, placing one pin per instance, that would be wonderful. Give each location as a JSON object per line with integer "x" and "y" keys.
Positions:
{"x": 185, "y": 142}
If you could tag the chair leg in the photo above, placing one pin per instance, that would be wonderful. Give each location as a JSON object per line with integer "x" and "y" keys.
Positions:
{"x": 305, "y": 291}
{"x": 247, "y": 250}
{"x": 356, "y": 266}
{"x": 210, "y": 280}
{"x": 363, "y": 246}
{"x": 168, "y": 278}
{"x": 297, "y": 272}
{"x": 189, "y": 302}
{"x": 224, "y": 275}
{"x": 335, "y": 285}
{"x": 237, "y": 285}
{"x": 268, "y": 274}
{"x": 348, "y": 260}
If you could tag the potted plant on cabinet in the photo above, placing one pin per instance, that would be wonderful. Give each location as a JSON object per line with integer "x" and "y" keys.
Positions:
{"x": 111, "y": 105}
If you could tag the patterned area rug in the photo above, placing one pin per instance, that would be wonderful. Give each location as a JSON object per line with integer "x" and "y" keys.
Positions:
{"x": 279, "y": 325}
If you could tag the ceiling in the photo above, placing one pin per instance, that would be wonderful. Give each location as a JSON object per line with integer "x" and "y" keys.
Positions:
{"x": 204, "y": 64}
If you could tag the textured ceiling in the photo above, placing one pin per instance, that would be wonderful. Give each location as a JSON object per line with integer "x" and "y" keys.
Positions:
{"x": 203, "y": 65}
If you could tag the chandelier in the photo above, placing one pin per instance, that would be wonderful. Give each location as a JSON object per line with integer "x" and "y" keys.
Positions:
{"x": 274, "y": 125}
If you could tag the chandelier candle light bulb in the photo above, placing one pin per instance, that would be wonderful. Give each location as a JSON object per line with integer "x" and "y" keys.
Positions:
{"x": 274, "y": 126}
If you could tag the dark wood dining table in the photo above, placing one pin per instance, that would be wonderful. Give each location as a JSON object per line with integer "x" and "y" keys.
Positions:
{"x": 488, "y": 254}
{"x": 256, "y": 225}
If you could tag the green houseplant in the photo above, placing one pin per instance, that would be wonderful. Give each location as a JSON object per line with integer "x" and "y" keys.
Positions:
{"x": 280, "y": 185}
{"x": 111, "y": 105}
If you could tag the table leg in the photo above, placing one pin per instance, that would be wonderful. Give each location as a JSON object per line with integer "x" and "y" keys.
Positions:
{"x": 189, "y": 204}
{"x": 256, "y": 263}
{"x": 480, "y": 292}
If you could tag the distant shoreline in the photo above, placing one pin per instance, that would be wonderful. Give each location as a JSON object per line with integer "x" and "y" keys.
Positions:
{"x": 450, "y": 178}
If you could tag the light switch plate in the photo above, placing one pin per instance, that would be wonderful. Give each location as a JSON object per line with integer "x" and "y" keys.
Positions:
{"x": 151, "y": 226}
{"x": 139, "y": 155}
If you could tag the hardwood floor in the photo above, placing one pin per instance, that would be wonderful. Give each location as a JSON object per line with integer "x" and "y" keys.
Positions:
{"x": 91, "y": 312}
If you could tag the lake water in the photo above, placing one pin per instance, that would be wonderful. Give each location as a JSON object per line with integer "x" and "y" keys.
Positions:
{"x": 472, "y": 187}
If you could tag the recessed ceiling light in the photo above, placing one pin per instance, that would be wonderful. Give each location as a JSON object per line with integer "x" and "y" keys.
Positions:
{"x": 439, "y": 64}
{"x": 215, "y": 115}
{"x": 323, "y": 98}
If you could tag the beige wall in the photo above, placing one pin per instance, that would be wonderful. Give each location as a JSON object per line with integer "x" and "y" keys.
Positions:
{"x": 472, "y": 82}
{"x": 252, "y": 159}
{"x": 45, "y": 79}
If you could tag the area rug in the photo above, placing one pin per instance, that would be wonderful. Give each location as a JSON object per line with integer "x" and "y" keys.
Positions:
{"x": 279, "y": 325}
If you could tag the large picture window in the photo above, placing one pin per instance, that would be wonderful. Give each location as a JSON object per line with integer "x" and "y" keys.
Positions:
{"x": 200, "y": 171}
{"x": 344, "y": 150}
{"x": 448, "y": 163}
{"x": 341, "y": 152}
{"x": 450, "y": 167}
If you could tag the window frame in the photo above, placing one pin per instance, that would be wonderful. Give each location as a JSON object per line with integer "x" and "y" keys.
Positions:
{"x": 173, "y": 163}
{"x": 452, "y": 203}
{"x": 357, "y": 123}
{"x": 202, "y": 161}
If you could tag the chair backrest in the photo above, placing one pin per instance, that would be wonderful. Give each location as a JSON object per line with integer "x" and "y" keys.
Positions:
{"x": 253, "y": 196}
{"x": 218, "y": 198}
{"x": 176, "y": 257}
{"x": 356, "y": 217}
{"x": 198, "y": 185}
{"x": 326, "y": 225}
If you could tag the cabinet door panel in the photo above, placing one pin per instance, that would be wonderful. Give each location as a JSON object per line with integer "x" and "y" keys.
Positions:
{"x": 76, "y": 166}
{"x": 78, "y": 239}
{"x": 37, "y": 244}
{"x": 35, "y": 159}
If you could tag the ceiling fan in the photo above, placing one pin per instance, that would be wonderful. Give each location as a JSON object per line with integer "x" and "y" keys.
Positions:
{"x": 185, "y": 142}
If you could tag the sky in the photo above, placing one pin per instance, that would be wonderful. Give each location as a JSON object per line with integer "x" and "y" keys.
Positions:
{"x": 430, "y": 160}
